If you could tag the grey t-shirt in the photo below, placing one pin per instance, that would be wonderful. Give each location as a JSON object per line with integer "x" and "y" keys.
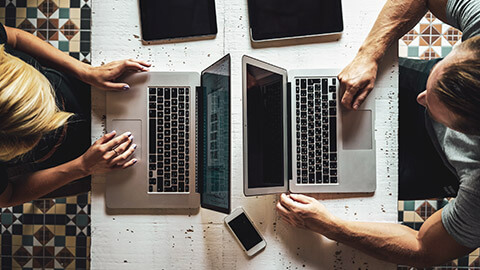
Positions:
{"x": 461, "y": 217}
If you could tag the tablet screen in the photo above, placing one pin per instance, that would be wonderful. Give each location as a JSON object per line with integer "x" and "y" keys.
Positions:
{"x": 265, "y": 128}
{"x": 273, "y": 19}
{"x": 167, "y": 19}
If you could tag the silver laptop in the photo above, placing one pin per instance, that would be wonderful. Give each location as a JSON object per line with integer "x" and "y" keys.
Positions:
{"x": 298, "y": 138}
{"x": 181, "y": 124}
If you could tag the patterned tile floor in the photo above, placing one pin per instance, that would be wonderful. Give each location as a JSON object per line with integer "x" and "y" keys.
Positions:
{"x": 49, "y": 234}
{"x": 429, "y": 39}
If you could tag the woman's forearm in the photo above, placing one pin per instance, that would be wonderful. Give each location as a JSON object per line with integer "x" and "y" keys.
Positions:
{"x": 45, "y": 53}
{"x": 40, "y": 183}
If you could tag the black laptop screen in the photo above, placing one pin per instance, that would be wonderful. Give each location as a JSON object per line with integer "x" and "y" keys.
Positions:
{"x": 272, "y": 19}
{"x": 264, "y": 128}
{"x": 167, "y": 19}
{"x": 214, "y": 136}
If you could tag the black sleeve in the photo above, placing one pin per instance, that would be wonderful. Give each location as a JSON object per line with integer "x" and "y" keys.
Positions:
{"x": 3, "y": 34}
{"x": 3, "y": 178}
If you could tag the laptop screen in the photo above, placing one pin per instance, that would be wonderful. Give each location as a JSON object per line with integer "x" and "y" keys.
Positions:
{"x": 265, "y": 128}
{"x": 213, "y": 144}
{"x": 167, "y": 19}
{"x": 273, "y": 19}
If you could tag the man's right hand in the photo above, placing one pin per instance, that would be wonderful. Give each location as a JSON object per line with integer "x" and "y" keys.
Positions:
{"x": 357, "y": 81}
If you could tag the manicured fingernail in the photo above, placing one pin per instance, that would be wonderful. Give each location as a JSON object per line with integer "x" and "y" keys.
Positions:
{"x": 135, "y": 161}
{"x": 128, "y": 133}
{"x": 130, "y": 137}
{"x": 126, "y": 87}
{"x": 113, "y": 132}
{"x": 134, "y": 146}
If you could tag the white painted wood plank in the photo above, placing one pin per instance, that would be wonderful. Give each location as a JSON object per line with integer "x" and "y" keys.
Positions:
{"x": 167, "y": 239}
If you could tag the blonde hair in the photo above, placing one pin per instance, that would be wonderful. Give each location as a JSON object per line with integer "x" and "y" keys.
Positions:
{"x": 27, "y": 107}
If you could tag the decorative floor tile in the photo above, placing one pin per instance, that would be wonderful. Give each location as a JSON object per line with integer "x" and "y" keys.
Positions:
{"x": 49, "y": 234}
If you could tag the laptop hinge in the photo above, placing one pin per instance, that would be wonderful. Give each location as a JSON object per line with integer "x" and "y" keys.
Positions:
{"x": 289, "y": 131}
{"x": 199, "y": 142}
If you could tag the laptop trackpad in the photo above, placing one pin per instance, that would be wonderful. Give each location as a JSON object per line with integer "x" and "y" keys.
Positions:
{"x": 132, "y": 125}
{"x": 357, "y": 129}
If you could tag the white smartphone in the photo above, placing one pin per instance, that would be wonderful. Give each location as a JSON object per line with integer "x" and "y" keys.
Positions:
{"x": 245, "y": 232}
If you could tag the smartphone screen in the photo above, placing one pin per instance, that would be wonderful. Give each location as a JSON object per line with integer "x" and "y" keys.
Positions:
{"x": 245, "y": 232}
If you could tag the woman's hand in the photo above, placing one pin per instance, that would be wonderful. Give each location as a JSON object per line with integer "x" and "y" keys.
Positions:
{"x": 304, "y": 212}
{"x": 104, "y": 76}
{"x": 109, "y": 153}
{"x": 357, "y": 80}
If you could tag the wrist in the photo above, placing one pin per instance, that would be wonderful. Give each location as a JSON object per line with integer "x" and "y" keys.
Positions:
{"x": 84, "y": 72}
{"x": 82, "y": 166}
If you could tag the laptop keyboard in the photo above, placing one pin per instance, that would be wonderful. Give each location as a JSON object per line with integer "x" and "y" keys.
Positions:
{"x": 316, "y": 130}
{"x": 168, "y": 115}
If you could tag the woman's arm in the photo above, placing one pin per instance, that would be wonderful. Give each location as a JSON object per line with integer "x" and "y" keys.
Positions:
{"x": 99, "y": 158}
{"x": 103, "y": 77}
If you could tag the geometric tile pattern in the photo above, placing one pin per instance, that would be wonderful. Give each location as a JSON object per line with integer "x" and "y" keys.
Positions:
{"x": 429, "y": 39}
{"x": 49, "y": 234}
{"x": 63, "y": 23}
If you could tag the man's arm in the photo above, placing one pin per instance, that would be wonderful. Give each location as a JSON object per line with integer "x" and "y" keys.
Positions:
{"x": 103, "y": 77}
{"x": 395, "y": 20}
{"x": 432, "y": 245}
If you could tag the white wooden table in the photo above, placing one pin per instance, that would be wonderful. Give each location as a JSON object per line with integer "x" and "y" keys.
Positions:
{"x": 167, "y": 239}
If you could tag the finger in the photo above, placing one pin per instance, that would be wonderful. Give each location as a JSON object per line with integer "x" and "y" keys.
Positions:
{"x": 105, "y": 138}
{"x": 287, "y": 202}
{"x": 125, "y": 155}
{"x": 117, "y": 152}
{"x": 118, "y": 140}
{"x": 361, "y": 97}
{"x": 282, "y": 210}
{"x": 115, "y": 86}
{"x": 127, "y": 164}
{"x": 348, "y": 96}
{"x": 143, "y": 63}
{"x": 301, "y": 198}
{"x": 133, "y": 65}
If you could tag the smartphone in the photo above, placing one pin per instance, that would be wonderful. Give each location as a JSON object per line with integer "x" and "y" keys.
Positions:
{"x": 245, "y": 232}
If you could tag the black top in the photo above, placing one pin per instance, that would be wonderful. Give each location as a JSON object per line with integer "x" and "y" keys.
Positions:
{"x": 63, "y": 144}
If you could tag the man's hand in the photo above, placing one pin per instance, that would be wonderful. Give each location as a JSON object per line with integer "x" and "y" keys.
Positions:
{"x": 357, "y": 80}
{"x": 104, "y": 76}
{"x": 304, "y": 212}
{"x": 109, "y": 153}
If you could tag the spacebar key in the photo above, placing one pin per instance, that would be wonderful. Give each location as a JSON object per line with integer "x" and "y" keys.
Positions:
{"x": 152, "y": 136}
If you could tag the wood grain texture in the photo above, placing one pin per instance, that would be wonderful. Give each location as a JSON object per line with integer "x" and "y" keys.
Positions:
{"x": 167, "y": 239}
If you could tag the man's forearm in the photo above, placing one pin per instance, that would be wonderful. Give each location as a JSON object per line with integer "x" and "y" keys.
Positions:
{"x": 432, "y": 245}
{"x": 40, "y": 183}
{"x": 46, "y": 53}
{"x": 385, "y": 241}
{"x": 396, "y": 18}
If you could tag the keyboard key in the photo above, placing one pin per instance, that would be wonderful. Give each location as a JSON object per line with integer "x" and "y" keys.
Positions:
{"x": 333, "y": 134}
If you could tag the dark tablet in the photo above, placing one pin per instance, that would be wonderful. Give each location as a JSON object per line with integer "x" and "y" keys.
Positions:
{"x": 279, "y": 19}
{"x": 171, "y": 19}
